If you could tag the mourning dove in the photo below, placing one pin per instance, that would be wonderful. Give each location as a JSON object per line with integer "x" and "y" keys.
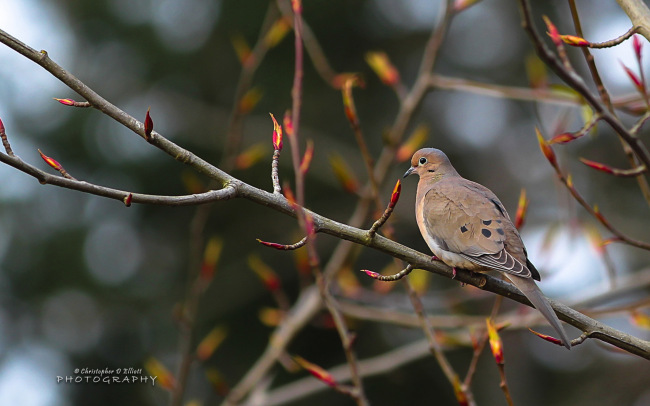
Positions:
{"x": 466, "y": 226}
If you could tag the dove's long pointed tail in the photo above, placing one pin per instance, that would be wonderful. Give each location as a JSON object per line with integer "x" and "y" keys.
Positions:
{"x": 530, "y": 289}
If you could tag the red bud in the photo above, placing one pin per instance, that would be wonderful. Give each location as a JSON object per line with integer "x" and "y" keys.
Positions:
{"x": 396, "y": 192}
{"x": 548, "y": 338}
{"x": 148, "y": 125}
{"x": 52, "y": 162}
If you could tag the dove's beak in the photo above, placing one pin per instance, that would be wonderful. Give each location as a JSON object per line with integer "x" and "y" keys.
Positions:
{"x": 410, "y": 171}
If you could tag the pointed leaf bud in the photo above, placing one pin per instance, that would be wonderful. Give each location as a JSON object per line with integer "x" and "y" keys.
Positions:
{"x": 250, "y": 100}
{"x": 394, "y": 197}
{"x": 277, "y": 32}
{"x": 635, "y": 79}
{"x": 242, "y": 49}
{"x": 636, "y": 43}
{"x": 306, "y": 159}
{"x": 288, "y": 123}
{"x": 373, "y": 275}
{"x": 380, "y": 63}
{"x": 562, "y": 138}
{"x": 413, "y": 143}
{"x": 277, "y": 134}
{"x": 211, "y": 342}
{"x": 271, "y": 317}
{"x": 156, "y": 368}
{"x": 318, "y": 372}
{"x": 344, "y": 174}
{"x": 548, "y": 338}
{"x": 496, "y": 345}
{"x": 50, "y": 161}
{"x": 148, "y": 125}
{"x": 597, "y": 165}
{"x": 268, "y": 277}
{"x": 640, "y": 319}
{"x": 250, "y": 156}
{"x": 127, "y": 200}
{"x": 553, "y": 32}
{"x": 546, "y": 148}
{"x": 522, "y": 209}
{"x": 211, "y": 256}
{"x": 67, "y": 102}
{"x": 575, "y": 41}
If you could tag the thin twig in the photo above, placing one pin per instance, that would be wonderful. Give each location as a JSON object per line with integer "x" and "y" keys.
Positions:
{"x": 462, "y": 393}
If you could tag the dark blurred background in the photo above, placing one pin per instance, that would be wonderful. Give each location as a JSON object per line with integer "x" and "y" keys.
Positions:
{"x": 88, "y": 283}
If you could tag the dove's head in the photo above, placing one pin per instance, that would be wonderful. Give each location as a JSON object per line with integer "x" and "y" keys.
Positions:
{"x": 430, "y": 163}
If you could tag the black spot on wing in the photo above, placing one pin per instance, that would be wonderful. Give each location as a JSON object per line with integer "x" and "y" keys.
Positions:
{"x": 487, "y": 222}
{"x": 486, "y": 233}
{"x": 500, "y": 231}
{"x": 463, "y": 229}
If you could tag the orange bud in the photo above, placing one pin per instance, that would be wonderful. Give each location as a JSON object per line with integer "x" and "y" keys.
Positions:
{"x": 461, "y": 396}
{"x": 344, "y": 174}
{"x": 218, "y": 382}
{"x": 210, "y": 257}
{"x": 597, "y": 165}
{"x": 306, "y": 159}
{"x": 553, "y": 32}
{"x": 148, "y": 125}
{"x": 277, "y": 32}
{"x": 496, "y": 345}
{"x": 52, "y": 162}
{"x": 575, "y": 41}
{"x": 277, "y": 133}
{"x": 288, "y": 123}
{"x": 296, "y": 5}
{"x": 242, "y": 49}
{"x": 380, "y": 63}
{"x": 250, "y": 100}
{"x": 348, "y": 101}
{"x": 211, "y": 342}
{"x": 548, "y": 338}
{"x": 396, "y": 192}
{"x": 546, "y": 148}
{"x": 413, "y": 143}
{"x": 127, "y": 200}
{"x": 264, "y": 272}
{"x": 164, "y": 377}
{"x": 339, "y": 80}
{"x": 522, "y": 208}
{"x": 250, "y": 156}
{"x": 320, "y": 373}
{"x": 348, "y": 282}
{"x": 271, "y": 317}
{"x": 288, "y": 194}
{"x": 640, "y": 319}
{"x": 562, "y": 138}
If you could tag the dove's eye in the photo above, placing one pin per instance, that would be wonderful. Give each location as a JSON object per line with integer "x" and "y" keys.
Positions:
{"x": 423, "y": 161}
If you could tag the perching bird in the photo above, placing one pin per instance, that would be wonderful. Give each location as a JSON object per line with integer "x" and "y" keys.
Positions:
{"x": 466, "y": 226}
